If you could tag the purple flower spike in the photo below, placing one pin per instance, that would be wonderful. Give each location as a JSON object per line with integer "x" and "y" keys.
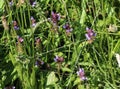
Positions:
{"x": 58, "y": 59}
{"x": 55, "y": 17}
{"x": 67, "y": 27}
{"x": 90, "y": 35}
{"x": 81, "y": 74}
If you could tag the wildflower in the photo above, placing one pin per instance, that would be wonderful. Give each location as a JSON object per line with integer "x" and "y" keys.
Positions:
{"x": 58, "y": 59}
{"x": 39, "y": 62}
{"x": 15, "y": 24}
{"x": 11, "y": 3}
{"x": 81, "y": 74}
{"x": 33, "y": 21}
{"x": 68, "y": 28}
{"x": 118, "y": 59}
{"x": 55, "y": 17}
{"x": 33, "y": 3}
{"x": 20, "y": 39}
{"x": 112, "y": 28}
{"x": 90, "y": 35}
{"x": 10, "y": 87}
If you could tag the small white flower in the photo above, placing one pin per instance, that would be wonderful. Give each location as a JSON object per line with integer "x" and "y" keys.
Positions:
{"x": 118, "y": 59}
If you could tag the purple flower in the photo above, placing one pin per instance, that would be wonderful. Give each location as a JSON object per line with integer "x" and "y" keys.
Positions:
{"x": 20, "y": 39}
{"x": 58, "y": 59}
{"x": 90, "y": 35}
{"x": 67, "y": 27}
{"x": 81, "y": 74}
{"x": 33, "y": 3}
{"x": 39, "y": 62}
{"x": 55, "y": 17}
{"x": 33, "y": 21}
{"x": 15, "y": 25}
{"x": 11, "y": 3}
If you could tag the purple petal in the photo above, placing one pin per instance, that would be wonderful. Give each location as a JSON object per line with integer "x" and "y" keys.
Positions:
{"x": 33, "y": 25}
{"x": 87, "y": 29}
{"x": 87, "y": 36}
{"x": 83, "y": 78}
{"x": 58, "y": 15}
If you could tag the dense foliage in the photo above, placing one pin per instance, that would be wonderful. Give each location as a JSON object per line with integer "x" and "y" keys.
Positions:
{"x": 59, "y": 44}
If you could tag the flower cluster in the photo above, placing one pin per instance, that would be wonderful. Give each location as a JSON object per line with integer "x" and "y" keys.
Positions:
{"x": 58, "y": 59}
{"x": 33, "y": 3}
{"x": 81, "y": 74}
{"x": 15, "y": 24}
{"x": 33, "y": 21}
{"x": 55, "y": 17}
{"x": 90, "y": 35}
{"x": 38, "y": 63}
{"x": 67, "y": 28}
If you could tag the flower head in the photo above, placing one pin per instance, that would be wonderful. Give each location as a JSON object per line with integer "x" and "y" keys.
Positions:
{"x": 81, "y": 74}
{"x": 55, "y": 17}
{"x": 39, "y": 62}
{"x": 33, "y": 3}
{"x": 11, "y": 3}
{"x": 68, "y": 28}
{"x": 90, "y": 35}
{"x": 58, "y": 59}
{"x": 15, "y": 24}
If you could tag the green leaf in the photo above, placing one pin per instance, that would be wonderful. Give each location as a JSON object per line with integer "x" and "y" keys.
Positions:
{"x": 32, "y": 78}
{"x": 83, "y": 17}
{"x": 1, "y": 3}
{"x": 51, "y": 79}
{"x": 65, "y": 69}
